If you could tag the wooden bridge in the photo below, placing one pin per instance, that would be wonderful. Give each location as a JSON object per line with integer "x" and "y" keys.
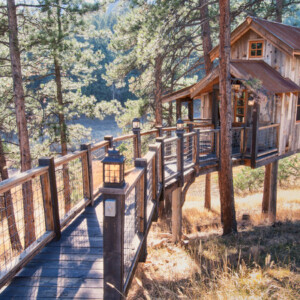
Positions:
{"x": 65, "y": 246}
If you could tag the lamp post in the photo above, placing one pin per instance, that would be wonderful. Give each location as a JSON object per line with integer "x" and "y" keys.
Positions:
{"x": 113, "y": 169}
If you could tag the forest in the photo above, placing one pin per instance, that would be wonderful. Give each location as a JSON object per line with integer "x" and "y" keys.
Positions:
{"x": 65, "y": 61}
{"x": 79, "y": 58}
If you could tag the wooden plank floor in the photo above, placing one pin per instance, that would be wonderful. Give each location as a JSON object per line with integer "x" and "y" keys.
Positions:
{"x": 71, "y": 268}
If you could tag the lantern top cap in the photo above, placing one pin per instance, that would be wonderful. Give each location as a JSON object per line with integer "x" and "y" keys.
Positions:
{"x": 136, "y": 120}
{"x": 179, "y": 121}
{"x": 114, "y": 156}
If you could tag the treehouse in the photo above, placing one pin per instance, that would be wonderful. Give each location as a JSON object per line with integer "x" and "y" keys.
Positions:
{"x": 265, "y": 78}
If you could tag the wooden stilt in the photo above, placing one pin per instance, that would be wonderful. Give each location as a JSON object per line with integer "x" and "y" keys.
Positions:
{"x": 273, "y": 192}
{"x": 267, "y": 189}
{"x": 207, "y": 203}
{"x": 176, "y": 215}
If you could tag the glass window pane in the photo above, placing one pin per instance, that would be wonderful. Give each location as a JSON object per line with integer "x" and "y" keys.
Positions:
{"x": 253, "y": 46}
{"x": 240, "y": 102}
{"x": 258, "y": 52}
{"x": 240, "y": 111}
{"x": 298, "y": 113}
{"x": 259, "y": 45}
{"x": 298, "y": 100}
{"x": 252, "y": 53}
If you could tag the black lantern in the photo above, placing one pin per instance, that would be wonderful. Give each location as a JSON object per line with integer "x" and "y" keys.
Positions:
{"x": 113, "y": 169}
{"x": 136, "y": 123}
{"x": 180, "y": 125}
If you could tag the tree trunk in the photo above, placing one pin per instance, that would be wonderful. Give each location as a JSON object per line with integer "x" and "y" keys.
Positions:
{"x": 158, "y": 90}
{"x": 63, "y": 135}
{"x": 9, "y": 206}
{"x": 21, "y": 121}
{"x": 207, "y": 46}
{"x": 267, "y": 188}
{"x": 226, "y": 178}
{"x": 279, "y": 6}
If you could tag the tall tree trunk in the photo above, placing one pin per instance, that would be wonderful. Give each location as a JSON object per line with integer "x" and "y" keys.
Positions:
{"x": 9, "y": 206}
{"x": 207, "y": 46}
{"x": 63, "y": 134}
{"x": 158, "y": 90}
{"x": 279, "y": 6}
{"x": 267, "y": 189}
{"x": 226, "y": 178}
{"x": 21, "y": 121}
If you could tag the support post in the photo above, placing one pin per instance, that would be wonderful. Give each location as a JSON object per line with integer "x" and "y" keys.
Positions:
{"x": 191, "y": 110}
{"x": 255, "y": 122}
{"x": 142, "y": 163}
{"x": 178, "y": 109}
{"x": 51, "y": 207}
{"x": 87, "y": 173}
{"x": 267, "y": 190}
{"x": 176, "y": 215}
{"x": 215, "y": 117}
{"x": 137, "y": 145}
{"x": 113, "y": 243}
{"x": 273, "y": 192}
{"x": 207, "y": 203}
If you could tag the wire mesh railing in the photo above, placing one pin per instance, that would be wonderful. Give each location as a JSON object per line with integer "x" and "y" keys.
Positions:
{"x": 170, "y": 157}
{"x": 126, "y": 146}
{"x": 69, "y": 182}
{"x": 189, "y": 149}
{"x": 98, "y": 153}
{"x": 148, "y": 138}
{"x": 267, "y": 139}
{"x": 22, "y": 223}
{"x": 208, "y": 141}
{"x": 237, "y": 142}
{"x": 150, "y": 176}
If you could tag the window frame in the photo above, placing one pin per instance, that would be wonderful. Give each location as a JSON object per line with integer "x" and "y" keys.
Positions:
{"x": 245, "y": 107}
{"x": 262, "y": 49}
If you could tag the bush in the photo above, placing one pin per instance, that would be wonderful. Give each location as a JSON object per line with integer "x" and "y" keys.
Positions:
{"x": 250, "y": 180}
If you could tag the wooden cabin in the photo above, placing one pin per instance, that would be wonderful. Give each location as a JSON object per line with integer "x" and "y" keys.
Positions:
{"x": 265, "y": 76}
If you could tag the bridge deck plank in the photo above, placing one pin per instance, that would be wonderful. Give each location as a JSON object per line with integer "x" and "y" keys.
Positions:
{"x": 71, "y": 268}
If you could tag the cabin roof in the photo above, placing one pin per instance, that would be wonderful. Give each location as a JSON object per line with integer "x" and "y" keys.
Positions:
{"x": 284, "y": 37}
{"x": 271, "y": 81}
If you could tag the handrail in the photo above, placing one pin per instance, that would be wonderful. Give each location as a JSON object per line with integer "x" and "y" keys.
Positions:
{"x": 20, "y": 178}
{"x": 149, "y": 132}
{"x": 99, "y": 145}
{"x": 171, "y": 139}
{"x": 124, "y": 137}
{"x": 268, "y": 126}
{"x": 66, "y": 158}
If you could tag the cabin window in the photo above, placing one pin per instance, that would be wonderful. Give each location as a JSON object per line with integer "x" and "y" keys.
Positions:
{"x": 298, "y": 110}
{"x": 256, "y": 49}
{"x": 240, "y": 106}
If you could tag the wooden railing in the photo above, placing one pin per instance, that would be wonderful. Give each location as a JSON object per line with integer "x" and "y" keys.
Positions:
{"x": 37, "y": 204}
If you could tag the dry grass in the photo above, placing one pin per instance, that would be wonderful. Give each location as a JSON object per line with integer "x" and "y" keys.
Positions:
{"x": 260, "y": 262}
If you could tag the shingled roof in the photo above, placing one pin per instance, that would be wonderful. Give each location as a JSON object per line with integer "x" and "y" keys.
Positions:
{"x": 284, "y": 37}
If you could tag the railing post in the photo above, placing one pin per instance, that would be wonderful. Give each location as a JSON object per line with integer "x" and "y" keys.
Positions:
{"x": 254, "y": 147}
{"x": 197, "y": 145}
{"x": 51, "y": 197}
{"x": 137, "y": 145}
{"x": 110, "y": 140}
{"x": 161, "y": 141}
{"x": 155, "y": 185}
{"x": 159, "y": 132}
{"x": 87, "y": 173}
{"x": 142, "y": 163}
{"x": 113, "y": 242}
{"x": 180, "y": 159}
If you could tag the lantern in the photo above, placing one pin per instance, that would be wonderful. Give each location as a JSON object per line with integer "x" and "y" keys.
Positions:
{"x": 250, "y": 100}
{"x": 113, "y": 169}
{"x": 180, "y": 125}
{"x": 136, "y": 123}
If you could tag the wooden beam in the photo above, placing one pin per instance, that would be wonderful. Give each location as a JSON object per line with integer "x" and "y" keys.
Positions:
{"x": 176, "y": 215}
{"x": 255, "y": 122}
{"x": 273, "y": 194}
{"x": 178, "y": 109}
